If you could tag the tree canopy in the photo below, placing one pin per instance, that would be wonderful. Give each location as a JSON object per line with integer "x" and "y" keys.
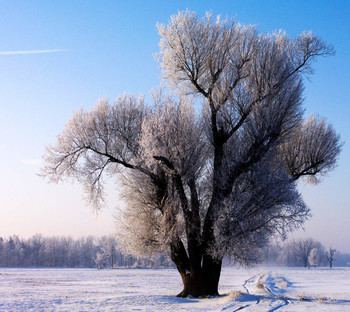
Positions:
{"x": 212, "y": 180}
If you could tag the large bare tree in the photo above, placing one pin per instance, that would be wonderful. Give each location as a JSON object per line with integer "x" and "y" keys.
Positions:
{"x": 212, "y": 181}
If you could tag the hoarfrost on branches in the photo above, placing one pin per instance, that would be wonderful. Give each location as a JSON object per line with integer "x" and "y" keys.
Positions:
{"x": 314, "y": 257}
{"x": 212, "y": 182}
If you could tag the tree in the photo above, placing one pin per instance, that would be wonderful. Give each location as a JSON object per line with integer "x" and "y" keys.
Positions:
{"x": 37, "y": 244}
{"x": 330, "y": 256}
{"x": 88, "y": 250}
{"x": 107, "y": 253}
{"x": 303, "y": 248}
{"x": 313, "y": 257}
{"x": 299, "y": 253}
{"x": 210, "y": 182}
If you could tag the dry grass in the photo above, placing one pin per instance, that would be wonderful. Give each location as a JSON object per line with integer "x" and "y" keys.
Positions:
{"x": 260, "y": 285}
{"x": 234, "y": 294}
{"x": 325, "y": 300}
{"x": 282, "y": 283}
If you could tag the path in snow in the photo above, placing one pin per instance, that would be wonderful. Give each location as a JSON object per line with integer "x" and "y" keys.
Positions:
{"x": 272, "y": 292}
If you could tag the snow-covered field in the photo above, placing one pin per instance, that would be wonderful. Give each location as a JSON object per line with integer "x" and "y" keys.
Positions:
{"x": 259, "y": 289}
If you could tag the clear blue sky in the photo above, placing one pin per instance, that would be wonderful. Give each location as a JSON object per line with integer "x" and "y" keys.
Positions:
{"x": 79, "y": 51}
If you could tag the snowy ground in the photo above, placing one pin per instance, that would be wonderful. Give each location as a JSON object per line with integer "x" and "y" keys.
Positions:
{"x": 260, "y": 289}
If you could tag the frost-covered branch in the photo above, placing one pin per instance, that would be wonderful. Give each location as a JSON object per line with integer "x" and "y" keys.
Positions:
{"x": 312, "y": 150}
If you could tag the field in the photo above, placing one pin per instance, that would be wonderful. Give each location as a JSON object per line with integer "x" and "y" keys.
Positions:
{"x": 259, "y": 289}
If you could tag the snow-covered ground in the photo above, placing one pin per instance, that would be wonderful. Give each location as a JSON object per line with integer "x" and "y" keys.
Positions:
{"x": 259, "y": 289}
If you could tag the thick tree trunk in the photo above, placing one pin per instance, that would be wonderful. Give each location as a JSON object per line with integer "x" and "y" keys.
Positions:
{"x": 203, "y": 282}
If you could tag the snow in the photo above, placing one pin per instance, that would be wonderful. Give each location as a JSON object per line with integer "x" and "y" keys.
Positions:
{"x": 259, "y": 289}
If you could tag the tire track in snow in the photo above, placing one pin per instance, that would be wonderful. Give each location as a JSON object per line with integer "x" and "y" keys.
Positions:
{"x": 278, "y": 297}
{"x": 241, "y": 308}
{"x": 246, "y": 282}
{"x": 251, "y": 281}
{"x": 273, "y": 297}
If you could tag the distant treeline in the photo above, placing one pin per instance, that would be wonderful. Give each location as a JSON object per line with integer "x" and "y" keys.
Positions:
{"x": 305, "y": 253}
{"x": 87, "y": 252}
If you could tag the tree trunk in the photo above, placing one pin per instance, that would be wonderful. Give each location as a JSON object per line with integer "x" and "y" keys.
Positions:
{"x": 203, "y": 282}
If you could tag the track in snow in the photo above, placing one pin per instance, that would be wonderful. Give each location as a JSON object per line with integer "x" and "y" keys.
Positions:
{"x": 261, "y": 294}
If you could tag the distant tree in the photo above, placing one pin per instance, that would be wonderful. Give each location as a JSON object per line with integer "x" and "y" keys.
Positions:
{"x": 99, "y": 260}
{"x": 107, "y": 254}
{"x": 65, "y": 251}
{"x": 37, "y": 245}
{"x": 87, "y": 251}
{"x": 13, "y": 251}
{"x": 303, "y": 249}
{"x": 210, "y": 183}
{"x": 52, "y": 249}
{"x": 314, "y": 257}
{"x": 330, "y": 256}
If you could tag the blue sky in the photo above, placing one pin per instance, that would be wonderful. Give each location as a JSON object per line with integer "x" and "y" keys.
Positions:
{"x": 59, "y": 56}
